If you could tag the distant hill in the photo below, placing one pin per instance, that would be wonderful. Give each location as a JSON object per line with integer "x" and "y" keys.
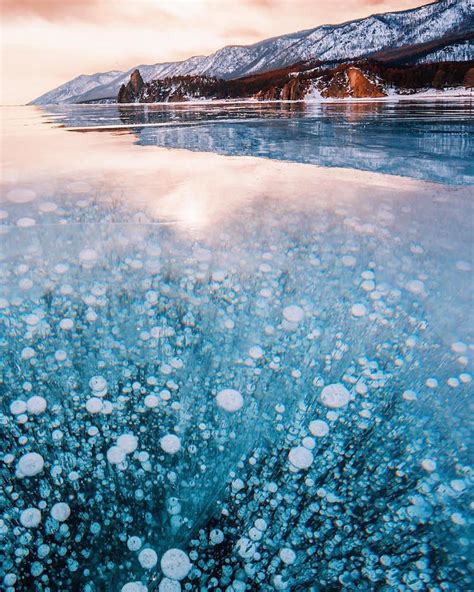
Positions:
{"x": 357, "y": 79}
{"x": 437, "y": 32}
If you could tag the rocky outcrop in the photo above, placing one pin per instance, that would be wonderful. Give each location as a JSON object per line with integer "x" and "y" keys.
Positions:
{"x": 340, "y": 83}
{"x": 132, "y": 91}
{"x": 352, "y": 82}
{"x": 362, "y": 79}
{"x": 361, "y": 86}
{"x": 293, "y": 90}
{"x": 170, "y": 90}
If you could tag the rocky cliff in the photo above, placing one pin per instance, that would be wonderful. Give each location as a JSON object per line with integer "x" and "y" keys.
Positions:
{"x": 130, "y": 92}
{"x": 366, "y": 79}
{"x": 171, "y": 90}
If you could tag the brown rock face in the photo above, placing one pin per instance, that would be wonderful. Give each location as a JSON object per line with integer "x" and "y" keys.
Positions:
{"x": 271, "y": 94}
{"x": 136, "y": 82}
{"x": 363, "y": 79}
{"x": 294, "y": 90}
{"x": 131, "y": 92}
{"x": 352, "y": 82}
{"x": 173, "y": 89}
{"x": 338, "y": 87}
{"x": 361, "y": 86}
{"x": 340, "y": 83}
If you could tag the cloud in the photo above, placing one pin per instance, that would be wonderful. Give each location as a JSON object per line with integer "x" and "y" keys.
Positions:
{"x": 46, "y": 42}
{"x": 263, "y": 3}
{"x": 183, "y": 10}
{"x": 242, "y": 33}
{"x": 51, "y": 10}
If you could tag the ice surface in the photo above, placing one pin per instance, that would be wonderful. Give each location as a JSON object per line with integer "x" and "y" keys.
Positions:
{"x": 430, "y": 140}
{"x": 341, "y": 452}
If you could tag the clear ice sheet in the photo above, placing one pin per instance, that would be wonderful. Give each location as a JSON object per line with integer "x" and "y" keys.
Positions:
{"x": 167, "y": 348}
{"x": 428, "y": 139}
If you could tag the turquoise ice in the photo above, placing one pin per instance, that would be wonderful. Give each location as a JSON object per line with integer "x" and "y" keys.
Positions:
{"x": 233, "y": 373}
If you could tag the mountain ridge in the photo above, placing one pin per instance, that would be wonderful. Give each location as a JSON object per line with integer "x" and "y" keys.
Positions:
{"x": 327, "y": 43}
{"x": 357, "y": 79}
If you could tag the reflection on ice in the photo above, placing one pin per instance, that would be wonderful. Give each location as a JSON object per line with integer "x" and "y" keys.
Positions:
{"x": 251, "y": 380}
{"x": 431, "y": 141}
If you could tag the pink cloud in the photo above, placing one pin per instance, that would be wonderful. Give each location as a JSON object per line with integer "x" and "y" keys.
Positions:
{"x": 48, "y": 9}
{"x": 46, "y": 42}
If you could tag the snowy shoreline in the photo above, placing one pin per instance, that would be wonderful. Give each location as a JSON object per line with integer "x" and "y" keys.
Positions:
{"x": 448, "y": 95}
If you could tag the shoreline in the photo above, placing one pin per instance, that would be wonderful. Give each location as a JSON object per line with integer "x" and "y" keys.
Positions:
{"x": 448, "y": 95}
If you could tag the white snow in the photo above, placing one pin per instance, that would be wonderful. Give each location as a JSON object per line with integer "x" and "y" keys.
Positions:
{"x": 327, "y": 43}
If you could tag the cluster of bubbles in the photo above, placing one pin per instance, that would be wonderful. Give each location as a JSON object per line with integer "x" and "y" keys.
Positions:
{"x": 267, "y": 409}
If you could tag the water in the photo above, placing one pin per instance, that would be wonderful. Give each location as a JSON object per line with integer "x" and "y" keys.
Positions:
{"x": 224, "y": 372}
{"x": 425, "y": 140}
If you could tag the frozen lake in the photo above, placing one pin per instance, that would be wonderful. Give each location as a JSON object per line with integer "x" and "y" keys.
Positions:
{"x": 430, "y": 140}
{"x": 236, "y": 347}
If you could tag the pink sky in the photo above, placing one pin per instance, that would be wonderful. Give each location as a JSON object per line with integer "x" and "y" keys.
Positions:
{"x": 47, "y": 42}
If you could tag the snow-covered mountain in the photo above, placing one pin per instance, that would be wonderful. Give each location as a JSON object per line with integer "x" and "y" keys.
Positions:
{"x": 77, "y": 86}
{"x": 328, "y": 43}
{"x": 455, "y": 52}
